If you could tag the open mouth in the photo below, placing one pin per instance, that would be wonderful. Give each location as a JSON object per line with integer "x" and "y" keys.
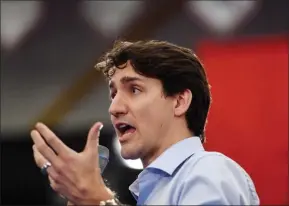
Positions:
{"x": 124, "y": 128}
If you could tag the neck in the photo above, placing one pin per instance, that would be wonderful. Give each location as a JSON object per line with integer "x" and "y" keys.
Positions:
{"x": 173, "y": 135}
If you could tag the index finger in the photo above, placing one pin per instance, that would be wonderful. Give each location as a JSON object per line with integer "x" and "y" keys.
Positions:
{"x": 43, "y": 148}
{"x": 58, "y": 146}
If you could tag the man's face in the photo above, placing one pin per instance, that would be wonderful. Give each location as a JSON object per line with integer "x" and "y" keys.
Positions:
{"x": 140, "y": 113}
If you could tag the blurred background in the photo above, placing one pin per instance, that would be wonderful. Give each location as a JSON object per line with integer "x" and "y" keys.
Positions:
{"x": 49, "y": 48}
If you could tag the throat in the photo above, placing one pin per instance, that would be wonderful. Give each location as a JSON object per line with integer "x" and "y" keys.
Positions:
{"x": 149, "y": 157}
{"x": 164, "y": 144}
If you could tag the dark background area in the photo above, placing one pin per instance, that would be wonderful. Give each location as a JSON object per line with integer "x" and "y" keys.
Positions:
{"x": 61, "y": 48}
{"x": 23, "y": 184}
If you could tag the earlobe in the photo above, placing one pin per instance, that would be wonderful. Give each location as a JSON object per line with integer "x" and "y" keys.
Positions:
{"x": 183, "y": 102}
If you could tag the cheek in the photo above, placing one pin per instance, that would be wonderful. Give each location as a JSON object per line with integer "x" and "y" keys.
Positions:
{"x": 151, "y": 115}
{"x": 144, "y": 111}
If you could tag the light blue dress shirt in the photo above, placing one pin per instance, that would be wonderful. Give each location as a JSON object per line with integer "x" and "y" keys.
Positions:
{"x": 186, "y": 174}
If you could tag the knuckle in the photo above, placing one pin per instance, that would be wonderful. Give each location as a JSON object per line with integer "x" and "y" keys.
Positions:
{"x": 68, "y": 158}
{"x": 50, "y": 139}
{"x": 56, "y": 178}
{"x": 75, "y": 196}
{"x": 55, "y": 186}
{"x": 41, "y": 147}
{"x": 60, "y": 169}
{"x": 57, "y": 170}
{"x": 82, "y": 190}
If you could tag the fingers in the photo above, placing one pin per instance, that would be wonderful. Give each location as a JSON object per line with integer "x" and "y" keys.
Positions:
{"x": 40, "y": 160}
{"x": 52, "y": 175}
{"x": 52, "y": 182}
{"x": 54, "y": 178}
{"x": 42, "y": 147}
{"x": 38, "y": 157}
{"x": 69, "y": 203}
{"x": 93, "y": 138}
{"x": 52, "y": 139}
{"x": 57, "y": 185}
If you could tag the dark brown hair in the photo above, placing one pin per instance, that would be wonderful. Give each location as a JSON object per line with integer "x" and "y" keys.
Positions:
{"x": 177, "y": 68}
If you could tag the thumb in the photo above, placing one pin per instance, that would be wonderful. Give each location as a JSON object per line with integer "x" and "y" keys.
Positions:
{"x": 93, "y": 137}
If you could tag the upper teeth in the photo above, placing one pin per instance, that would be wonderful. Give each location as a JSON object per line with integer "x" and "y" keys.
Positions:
{"x": 122, "y": 126}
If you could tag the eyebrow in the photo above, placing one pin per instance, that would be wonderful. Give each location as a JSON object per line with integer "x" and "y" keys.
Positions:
{"x": 125, "y": 80}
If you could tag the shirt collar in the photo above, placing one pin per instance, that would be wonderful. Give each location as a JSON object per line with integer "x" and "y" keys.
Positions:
{"x": 175, "y": 155}
{"x": 170, "y": 159}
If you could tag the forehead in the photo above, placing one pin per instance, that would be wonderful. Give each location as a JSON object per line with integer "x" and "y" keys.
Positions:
{"x": 125, "y": 72}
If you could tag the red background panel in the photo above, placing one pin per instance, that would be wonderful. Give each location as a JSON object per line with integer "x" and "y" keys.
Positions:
{"x": 248, "y": 120}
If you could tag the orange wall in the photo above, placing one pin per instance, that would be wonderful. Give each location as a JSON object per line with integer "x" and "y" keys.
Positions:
{"x": 249, "y": 115}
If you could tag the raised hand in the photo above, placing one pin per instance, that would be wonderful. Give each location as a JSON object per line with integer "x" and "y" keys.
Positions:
{"x": 76, "y": 176}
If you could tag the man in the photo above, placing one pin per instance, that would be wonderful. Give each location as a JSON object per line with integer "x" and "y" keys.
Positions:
{"x": 160, "y": 99}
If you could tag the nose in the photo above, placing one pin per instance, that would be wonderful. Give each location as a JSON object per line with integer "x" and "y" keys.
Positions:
{"x": 118, "y": 106}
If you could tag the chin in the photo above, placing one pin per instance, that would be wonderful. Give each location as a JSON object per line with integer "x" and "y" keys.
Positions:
{"x": 126, "y": 153}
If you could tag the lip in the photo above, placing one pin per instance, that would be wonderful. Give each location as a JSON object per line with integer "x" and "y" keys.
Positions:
{"x": 122, "y": 137}
{"x": 125, "y": 137}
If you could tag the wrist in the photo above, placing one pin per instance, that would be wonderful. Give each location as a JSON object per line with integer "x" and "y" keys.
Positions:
{"x": 105, "y": 196}
{"x": 94, "y": 197}
{"x": 113, "y": 200}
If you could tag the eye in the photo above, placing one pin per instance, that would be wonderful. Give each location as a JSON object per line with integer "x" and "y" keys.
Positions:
{"x": 135, "y": 90}
{"x": 112, "y": 94}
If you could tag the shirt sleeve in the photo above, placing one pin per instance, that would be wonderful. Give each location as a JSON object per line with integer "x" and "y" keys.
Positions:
{"x": 217, "y": 180}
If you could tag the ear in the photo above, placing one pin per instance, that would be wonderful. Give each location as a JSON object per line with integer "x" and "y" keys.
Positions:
{"x": 182, "y": 102}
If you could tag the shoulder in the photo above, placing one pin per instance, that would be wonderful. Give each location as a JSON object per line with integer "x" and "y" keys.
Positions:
{"x": 216, "y": 167}
{"x": 216, "y": 174}
{"x": 219, "y": 162}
